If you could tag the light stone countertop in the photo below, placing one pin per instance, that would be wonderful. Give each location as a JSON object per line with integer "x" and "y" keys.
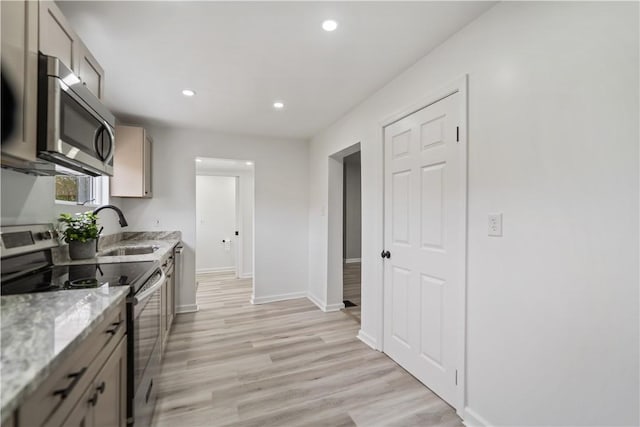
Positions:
{"x": 39, "y": 330}
{"x": 166, "y": 241}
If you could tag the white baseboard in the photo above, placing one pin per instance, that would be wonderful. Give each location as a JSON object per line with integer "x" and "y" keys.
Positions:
{"x": 367, "y": 339}
{"x": 333, "y": 307}
{"x": 315, "y": 300}
{"x": 274, "y": 298}
{"x": 214, "y": 270}
{"x": 324, "y": 307}
{"x": 472, "y": 419}
{"x": 187, "y": 308}
{"x": 246, "y": 276}
{"x": 352, "y": 260}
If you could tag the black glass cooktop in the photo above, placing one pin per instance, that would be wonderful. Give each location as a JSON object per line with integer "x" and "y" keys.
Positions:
{"x": 64, "y": 277}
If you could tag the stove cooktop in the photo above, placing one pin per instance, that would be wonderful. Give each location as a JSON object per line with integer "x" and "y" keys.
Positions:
{"x": 81, "y": 276}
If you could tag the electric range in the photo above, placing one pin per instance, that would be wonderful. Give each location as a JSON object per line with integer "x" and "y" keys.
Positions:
{"x": 65, "y": 277}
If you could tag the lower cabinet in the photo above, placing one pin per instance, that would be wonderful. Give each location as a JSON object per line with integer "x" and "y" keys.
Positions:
{"x": 104, "y": 403}
{"x": 167, "y": 305}
{"x": 89, "y": 388}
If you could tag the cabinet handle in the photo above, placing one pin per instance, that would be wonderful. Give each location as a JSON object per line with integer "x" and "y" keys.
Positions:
{"x": 101, "y": 387}
{"x": 115, "y": 329}
{"x": 94, "y": 399}
{"x": 75, "y": 377}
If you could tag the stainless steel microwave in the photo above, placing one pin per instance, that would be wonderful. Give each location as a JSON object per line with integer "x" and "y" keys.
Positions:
{"x": 75, "y": 129}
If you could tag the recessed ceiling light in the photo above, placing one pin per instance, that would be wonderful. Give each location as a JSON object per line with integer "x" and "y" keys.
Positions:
{"x": 188, "y": 92}
{"x": 249, "y": 163}
{"x": 198, "y": 160}
{"x": 329, "y": 25}
{"x": 278, "y": 105}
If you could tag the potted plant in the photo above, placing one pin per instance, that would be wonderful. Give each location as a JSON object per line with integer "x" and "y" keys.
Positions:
{"x": 80, "y": 233}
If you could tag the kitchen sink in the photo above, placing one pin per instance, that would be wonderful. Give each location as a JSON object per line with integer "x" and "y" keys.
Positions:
{"x": 129, "y": 250}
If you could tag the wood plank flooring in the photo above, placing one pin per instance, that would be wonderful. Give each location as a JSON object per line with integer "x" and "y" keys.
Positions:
{"x": 351, "y": 279}
{"x": 282, "y": 364}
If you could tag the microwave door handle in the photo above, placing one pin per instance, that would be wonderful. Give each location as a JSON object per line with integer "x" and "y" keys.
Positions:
{"x": 112, "y": 137}
{"x": 98, "y": 136}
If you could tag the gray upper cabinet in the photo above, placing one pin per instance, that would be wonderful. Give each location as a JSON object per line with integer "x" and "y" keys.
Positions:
{"x": 58, "y": 39}
{"x": 19, "y": 35}
{"x": 132, "y": 163}
{"x": 90, "y": 71}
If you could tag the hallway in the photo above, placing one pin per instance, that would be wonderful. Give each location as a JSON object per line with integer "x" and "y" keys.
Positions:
{"x": 282, "y": 364}
{"x": 352, "y": 279}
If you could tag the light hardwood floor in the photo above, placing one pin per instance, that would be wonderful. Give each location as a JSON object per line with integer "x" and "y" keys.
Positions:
{"x": 351, "y": 279}
{"x": 282, "y": 364}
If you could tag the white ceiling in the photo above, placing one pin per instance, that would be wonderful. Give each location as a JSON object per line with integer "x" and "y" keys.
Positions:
{"x": 240, "y": 57}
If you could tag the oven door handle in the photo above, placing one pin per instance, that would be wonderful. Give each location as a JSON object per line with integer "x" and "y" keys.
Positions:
{"x": 141, "y": 296}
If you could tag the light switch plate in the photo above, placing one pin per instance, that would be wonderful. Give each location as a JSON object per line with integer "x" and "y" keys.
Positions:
{"x": 495, "y": 225}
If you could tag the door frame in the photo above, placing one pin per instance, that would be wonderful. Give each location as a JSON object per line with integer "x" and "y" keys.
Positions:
{"x": 458, "y": 85}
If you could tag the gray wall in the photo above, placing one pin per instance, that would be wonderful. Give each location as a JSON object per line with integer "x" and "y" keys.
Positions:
{"x": 352, "y": 207}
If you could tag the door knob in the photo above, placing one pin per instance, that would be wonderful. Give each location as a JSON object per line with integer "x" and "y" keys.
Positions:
{"x": 385, "y": 254}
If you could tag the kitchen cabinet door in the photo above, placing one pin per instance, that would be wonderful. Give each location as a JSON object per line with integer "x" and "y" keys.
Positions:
{"x": 19, "y": 35}
{"x": 163, "y": 315}
{"x": 110, "y": 390}
{"x": 171, "y": 297}
{"x": 132, "y": 167}
{"x": 90, "y": 71}
{"x": 147, "y": 165}
{"x": 57, "y": 38}
{"x": 104, "y": 403}
{"x": 82, "y": 414}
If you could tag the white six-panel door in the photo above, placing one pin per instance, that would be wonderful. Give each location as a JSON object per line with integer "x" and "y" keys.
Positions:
{"x": 425, "y": 189}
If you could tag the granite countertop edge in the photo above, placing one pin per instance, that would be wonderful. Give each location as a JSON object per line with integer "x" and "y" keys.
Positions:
{"x": 165, "y": 240}
{"x": 31, "y": 384}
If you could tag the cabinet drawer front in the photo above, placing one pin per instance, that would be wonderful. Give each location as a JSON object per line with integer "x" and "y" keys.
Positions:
{"x": 53, "y": 400}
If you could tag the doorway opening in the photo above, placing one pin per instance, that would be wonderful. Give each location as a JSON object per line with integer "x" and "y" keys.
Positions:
{"x": 224, "y": 219}
{"x": 344, "y": 235}
{"x": 352, "y": 235}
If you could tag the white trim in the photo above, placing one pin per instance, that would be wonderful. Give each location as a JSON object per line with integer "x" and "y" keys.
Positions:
{"x": 368, "y": 340}
{"x": 458, "y": 85}
{"x": 188, "y": 308}
{"x": 274, "y": 298}
{"x": 315, "y": 300}
{"x": 352, "y": 260}
{"x": 246, "y": 276}
{"x": 335, "y": 229}
{"x": 327, "y": 308}
{"x": 333, "y": 307}
{"x": 215, "y": 270}
{"x": 472, "y": 419}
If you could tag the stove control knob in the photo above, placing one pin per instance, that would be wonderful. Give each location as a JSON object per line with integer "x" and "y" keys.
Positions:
{"x": 46, "y": 235}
